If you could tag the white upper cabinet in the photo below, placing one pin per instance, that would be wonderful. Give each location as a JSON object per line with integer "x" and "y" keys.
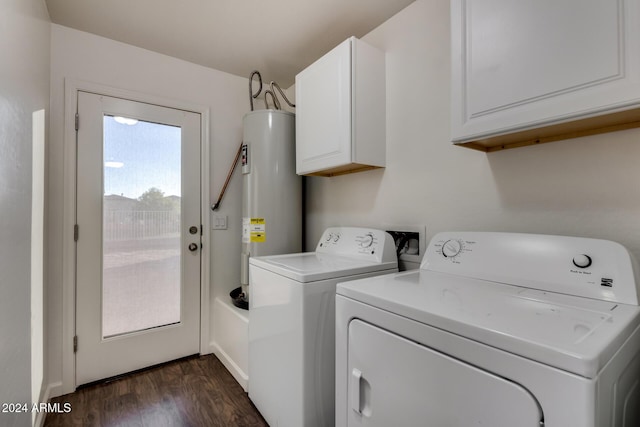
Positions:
{"x": 531, "y": 71}
{"x": 340, "y": 111}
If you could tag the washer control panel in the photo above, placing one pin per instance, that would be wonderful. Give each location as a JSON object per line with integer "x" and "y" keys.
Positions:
{"x": 585, "y": 267}
{"x": 365, "y": 243}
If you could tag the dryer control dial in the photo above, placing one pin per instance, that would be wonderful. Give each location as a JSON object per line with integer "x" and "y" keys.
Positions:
{"x": 582, "y": 261}
{"x": 451, "y": 248}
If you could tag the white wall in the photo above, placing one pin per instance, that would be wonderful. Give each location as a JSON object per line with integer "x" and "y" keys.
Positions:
{"x": 24, "y": 89}
{"x": 82, "y": 56}
{"x": 587, "y": 186}
{"x": 38, "y": 173}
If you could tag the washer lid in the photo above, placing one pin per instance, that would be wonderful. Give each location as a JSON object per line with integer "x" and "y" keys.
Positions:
{"x": 575, "y": 334}
{"x": 314, "y": 266}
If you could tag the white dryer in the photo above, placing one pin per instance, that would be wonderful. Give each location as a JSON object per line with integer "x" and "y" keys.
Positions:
{"x": 495, "y": 329}
{"x": 292, "y": 322}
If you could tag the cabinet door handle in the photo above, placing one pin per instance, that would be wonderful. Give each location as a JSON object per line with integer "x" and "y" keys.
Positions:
{"x": 356, "y": 377}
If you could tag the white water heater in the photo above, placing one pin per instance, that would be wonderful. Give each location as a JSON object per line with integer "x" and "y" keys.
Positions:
{"x": 271, "y": 189}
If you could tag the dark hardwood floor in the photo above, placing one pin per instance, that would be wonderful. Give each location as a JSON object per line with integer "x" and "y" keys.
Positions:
{"x": 194, "y": 392}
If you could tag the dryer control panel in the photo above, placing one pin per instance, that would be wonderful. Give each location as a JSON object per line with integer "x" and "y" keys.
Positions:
{"x": 591, "y": 268}
{"x": 364, "y": 243}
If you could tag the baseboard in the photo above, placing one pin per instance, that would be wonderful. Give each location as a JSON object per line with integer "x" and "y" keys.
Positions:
{"x": 238, "y": 374}
{"x": 54, "y": 390}
{"x": 48, "y": 394}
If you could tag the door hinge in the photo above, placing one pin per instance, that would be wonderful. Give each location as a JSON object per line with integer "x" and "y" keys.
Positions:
{"x": 77, "y": 121}
{"x": 76, "y": 232}
{"x": 201, "y": 230}
{"x": 75, "y": 344}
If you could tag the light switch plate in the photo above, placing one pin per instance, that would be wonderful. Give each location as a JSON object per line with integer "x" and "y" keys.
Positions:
{"x": 219, "y": 222}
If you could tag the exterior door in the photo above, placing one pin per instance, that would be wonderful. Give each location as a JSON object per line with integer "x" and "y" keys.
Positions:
{"x": 138, "y": 236}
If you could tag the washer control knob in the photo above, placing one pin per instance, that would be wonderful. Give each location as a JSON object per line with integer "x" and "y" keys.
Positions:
{"x": 451, "y": 248}
{"x": 329, "y": 237}
{"x": 336, "y": 238}
{"x": 367, "y": 240}
{"x": 582, "y": 261}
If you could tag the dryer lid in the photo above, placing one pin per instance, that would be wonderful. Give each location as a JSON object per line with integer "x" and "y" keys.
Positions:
{"x": 575, "y": 334}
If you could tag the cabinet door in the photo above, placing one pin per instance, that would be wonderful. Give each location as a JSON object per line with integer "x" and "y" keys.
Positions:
{"x": 528, "y": 64}
{"x": 396, "y": 382}
{"x": 323, "y": 112}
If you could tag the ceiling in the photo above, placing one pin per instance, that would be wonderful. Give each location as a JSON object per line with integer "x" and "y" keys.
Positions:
{"x": 277, "y": 37}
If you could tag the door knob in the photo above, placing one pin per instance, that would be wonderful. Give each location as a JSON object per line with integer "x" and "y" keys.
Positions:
{"x": 193, "y": 247}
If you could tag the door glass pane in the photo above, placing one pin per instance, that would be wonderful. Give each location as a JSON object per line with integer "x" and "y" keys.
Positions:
{"x": 141, "y": 226}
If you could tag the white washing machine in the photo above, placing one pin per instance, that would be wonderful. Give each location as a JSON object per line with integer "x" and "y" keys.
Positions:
{"x": 495, "y": 329}
{"x": 292, "y": 322}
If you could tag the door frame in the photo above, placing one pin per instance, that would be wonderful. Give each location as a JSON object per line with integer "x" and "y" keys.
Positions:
{"x": 71, "y": 88}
